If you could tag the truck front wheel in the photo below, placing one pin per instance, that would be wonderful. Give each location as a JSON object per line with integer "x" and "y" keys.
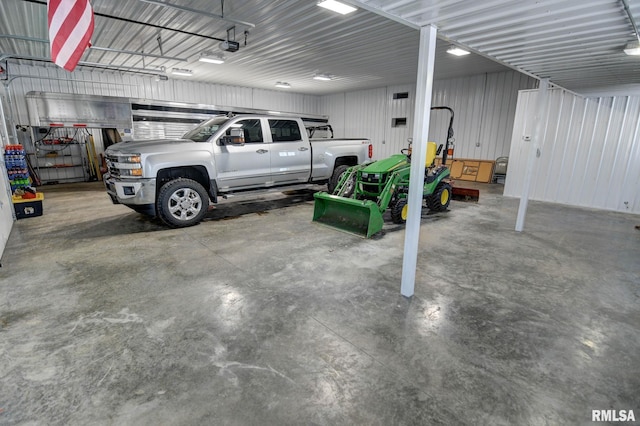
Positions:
{"x": 182, "y": 202}
{"x": 335, "y": 180}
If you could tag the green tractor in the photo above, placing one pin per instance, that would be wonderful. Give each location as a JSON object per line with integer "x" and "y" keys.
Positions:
{"x": 365, "y": 192}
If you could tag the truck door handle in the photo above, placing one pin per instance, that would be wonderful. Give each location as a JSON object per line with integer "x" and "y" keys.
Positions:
{"x": 262, "y": 151}
{"x": 303, "y": 148}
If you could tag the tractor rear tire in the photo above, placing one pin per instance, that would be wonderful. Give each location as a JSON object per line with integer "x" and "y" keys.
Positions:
{"x": 399, "y": 211}
{"x": 182, "y": 202}
{"x": 439, "y": 200}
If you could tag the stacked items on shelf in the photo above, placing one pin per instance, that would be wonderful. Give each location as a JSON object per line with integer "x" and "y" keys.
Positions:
{"x": 15, "y": 160}
{"x": 26, "y": 201}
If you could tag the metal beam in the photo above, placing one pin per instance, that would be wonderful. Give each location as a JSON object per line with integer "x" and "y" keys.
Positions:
{"x": 104, "y": 49}
{"x": 424, "y": 90}
{"x": 378, "y": 10}
{"x": 144, "y": 71}
{"x": 627, "y": 9}
{"x": 132, "y": 21}
{"x": 198, "y": 12}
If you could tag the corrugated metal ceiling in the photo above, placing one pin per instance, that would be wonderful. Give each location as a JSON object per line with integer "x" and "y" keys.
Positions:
{"x": 293, "y": 39}
{"x": 577, "y": 44}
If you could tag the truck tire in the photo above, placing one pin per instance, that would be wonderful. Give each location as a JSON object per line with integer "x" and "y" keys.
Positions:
{"x": 182, "y": 202}
{"x": 335, "y": 180}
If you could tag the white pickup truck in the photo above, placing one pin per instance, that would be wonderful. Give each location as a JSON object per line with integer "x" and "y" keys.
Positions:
{"x": 177, "y": 179}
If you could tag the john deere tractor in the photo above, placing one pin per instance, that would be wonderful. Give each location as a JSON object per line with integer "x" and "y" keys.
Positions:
{"x": 365, "y": 192}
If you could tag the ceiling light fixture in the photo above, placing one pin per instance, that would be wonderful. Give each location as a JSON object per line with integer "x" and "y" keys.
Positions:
{"x": 322, "y": 77}
{"x": 182, "y": 71}
{"x": 455, "y": 50}
{"x": 632, "y": 49}
{"x": 336, "y": 6}
{"x": 283, "y": 85}
{"x": 211, "y": 58}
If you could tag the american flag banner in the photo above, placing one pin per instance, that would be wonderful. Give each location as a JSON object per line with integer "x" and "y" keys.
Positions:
{"x": 70, "y": 30}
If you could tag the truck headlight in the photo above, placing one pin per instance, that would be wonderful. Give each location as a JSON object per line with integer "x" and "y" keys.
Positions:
{"x": 127, "y": 165}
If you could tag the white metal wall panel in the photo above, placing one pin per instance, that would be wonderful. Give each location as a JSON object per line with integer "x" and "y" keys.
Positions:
{"x": 496, "y": 125}
{"x": 589, "y": 152}
{"x": 465, "y": 96}
{"x": 281, "y": 101}
{"x": 556, "y": 142}
{"x": 336, "y": 104}
{"x": 484, "y": 107}
{"x": 396, "y": 137}
{"x": 519, "y": 148}
{"x": 627, "y": 163}
{"x": 366, "y": 117}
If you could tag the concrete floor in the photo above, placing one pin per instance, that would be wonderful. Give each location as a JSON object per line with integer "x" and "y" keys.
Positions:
{"x": 260, "y": 317}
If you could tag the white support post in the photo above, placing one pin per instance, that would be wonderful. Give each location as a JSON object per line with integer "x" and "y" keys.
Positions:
{"x": 424, "y": 89}
{"x": 536, "y": 143}
{"x": 5, "y": 132}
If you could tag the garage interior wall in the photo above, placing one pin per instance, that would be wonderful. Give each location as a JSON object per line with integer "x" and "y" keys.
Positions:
{"x": 484, "y": 107}
{"x": 589, "y": 153}
{"x": 109, "y": 83}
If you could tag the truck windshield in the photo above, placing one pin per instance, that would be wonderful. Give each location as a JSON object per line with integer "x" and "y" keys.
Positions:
{"x": 205, "y": 130}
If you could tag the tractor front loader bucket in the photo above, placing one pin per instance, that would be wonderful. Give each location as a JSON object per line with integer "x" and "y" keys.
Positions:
{"x": 362, "y": 218}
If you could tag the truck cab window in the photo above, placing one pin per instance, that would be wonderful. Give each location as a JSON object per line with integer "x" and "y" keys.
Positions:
{"x": 252, "y": 130}
{"x": 285, "y": 130}
{"x": 203, "y": 131}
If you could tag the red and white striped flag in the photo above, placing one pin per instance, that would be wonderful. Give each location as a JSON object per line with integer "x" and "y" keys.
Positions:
{"x": 70, "y": 30}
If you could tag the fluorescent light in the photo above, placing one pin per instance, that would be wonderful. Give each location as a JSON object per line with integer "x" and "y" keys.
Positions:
{"x": 457, "y": 51}
{"x": 283, "y": 85}
{"x": 211, "y": 58}
{"x": 336, "y": 6}
{"x": 632, "y": 49}
{"x": 322, "y": 77}
{"x": 182, "y": 71}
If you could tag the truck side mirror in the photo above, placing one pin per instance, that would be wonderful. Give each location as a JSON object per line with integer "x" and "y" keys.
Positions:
{"x": 233, "y": 136}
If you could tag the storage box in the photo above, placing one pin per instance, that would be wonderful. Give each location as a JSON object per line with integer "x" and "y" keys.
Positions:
{"x": 28, "y": 207}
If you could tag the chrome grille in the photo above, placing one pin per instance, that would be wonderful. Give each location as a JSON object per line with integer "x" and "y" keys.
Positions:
{"x": 111, "y": 160}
